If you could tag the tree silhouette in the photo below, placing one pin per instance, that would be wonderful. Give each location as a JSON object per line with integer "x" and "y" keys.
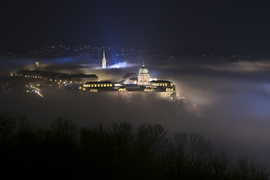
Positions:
{"x": 117, "y": 152}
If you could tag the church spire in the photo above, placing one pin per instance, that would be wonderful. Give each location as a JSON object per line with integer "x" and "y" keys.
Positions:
{"x": 103, "y": 59}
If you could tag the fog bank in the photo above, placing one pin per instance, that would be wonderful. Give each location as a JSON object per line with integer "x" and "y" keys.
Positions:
{"x": 232, "y": 100}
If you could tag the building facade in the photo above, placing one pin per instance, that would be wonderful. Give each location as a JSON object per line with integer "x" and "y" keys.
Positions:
{"x": 143, "y": 77}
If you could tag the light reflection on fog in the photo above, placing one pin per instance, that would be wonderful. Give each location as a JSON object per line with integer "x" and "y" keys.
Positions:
{"x": 233, "y": 100}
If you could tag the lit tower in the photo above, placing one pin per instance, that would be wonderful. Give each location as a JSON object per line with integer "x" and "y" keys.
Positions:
{"x": 103, "y": 60}
{"x": 37, "y": 63}
{"x": 143, "y": 77}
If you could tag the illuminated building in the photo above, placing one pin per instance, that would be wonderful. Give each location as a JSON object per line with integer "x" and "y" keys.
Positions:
{"x": 103, "y": 60}
{"x": 37, "y": 63}
{"x": 130, "y": 86}
{"x": 158, "y": 89}
{"x": 143, "y": 77}
{"x": 58, "y": 77}
{"x": 163, "y": 85}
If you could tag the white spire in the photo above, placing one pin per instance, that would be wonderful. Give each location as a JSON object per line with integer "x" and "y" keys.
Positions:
{"x": 103, "y": 59}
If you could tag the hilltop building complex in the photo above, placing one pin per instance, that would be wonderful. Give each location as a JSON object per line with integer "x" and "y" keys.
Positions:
{"x": 132, "y": 86}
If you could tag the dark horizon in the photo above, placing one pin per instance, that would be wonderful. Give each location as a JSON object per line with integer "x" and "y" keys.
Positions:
{"x": 176, "y": 27}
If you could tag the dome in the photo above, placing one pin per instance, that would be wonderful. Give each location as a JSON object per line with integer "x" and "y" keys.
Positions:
{"x": 143, "y": 70}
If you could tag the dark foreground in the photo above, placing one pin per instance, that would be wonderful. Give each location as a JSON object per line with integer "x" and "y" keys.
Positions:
{"x": 119, "y": 152}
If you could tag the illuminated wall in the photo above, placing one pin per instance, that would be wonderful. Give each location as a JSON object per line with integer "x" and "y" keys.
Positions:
{"x": 143, "y": 79}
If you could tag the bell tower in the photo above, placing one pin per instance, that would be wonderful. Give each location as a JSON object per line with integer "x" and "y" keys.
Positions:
{"x": 103, "y": 60}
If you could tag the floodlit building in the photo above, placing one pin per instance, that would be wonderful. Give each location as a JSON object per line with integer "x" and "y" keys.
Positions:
{"x": 160, "y": 89}
{"x": 143, "y": 77}
{"x": 163, "y": 85}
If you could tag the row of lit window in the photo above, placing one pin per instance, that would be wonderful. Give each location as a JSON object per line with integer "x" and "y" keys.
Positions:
{"x": 97, "y": 85}
{"x": 31, "y": 76}
{"x": 149, "y": 90}
{"x": 160, "y": 84}
{"x": 169, "y": 89}
{"x": 164, "y": 84}
{"x": 122, "y": 89}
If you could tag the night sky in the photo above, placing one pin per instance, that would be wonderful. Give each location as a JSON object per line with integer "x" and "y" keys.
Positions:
{"x": 181, "y": 27}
